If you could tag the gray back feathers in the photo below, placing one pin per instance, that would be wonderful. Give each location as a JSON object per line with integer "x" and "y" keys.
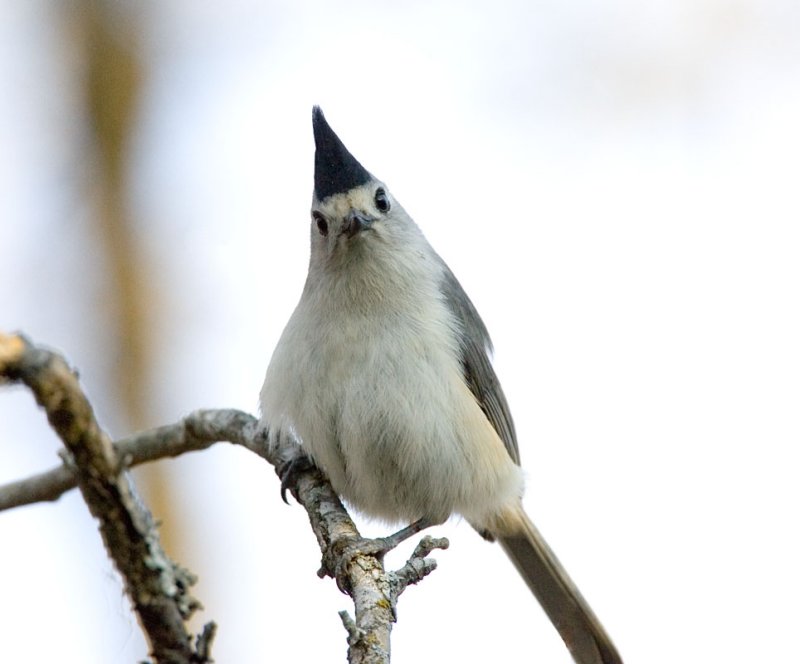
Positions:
{"x": 478, "y": 371}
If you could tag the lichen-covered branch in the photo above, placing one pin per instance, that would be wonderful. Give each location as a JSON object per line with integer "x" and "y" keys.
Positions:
{"x": 157, "y": 587}
{"x": 97, "y": 467}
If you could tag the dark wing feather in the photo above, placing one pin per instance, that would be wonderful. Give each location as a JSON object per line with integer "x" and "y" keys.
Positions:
{"x": 478, "y": 371}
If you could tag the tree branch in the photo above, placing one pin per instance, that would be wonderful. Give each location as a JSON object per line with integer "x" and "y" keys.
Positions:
{"x": 374, "y": 590}
{"x": 418, "y": 566}
{"x": 195, "y": 432}
{"x": 157, "y": 587}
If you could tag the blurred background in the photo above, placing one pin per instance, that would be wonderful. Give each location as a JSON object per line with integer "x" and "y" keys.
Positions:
{"x": 614, "y": 183}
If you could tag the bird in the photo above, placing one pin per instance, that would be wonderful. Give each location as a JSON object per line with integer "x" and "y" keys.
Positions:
{"x": 384, "y": 374}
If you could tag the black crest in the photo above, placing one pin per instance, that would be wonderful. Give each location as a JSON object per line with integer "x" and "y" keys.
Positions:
{"x": 335, "y": 169}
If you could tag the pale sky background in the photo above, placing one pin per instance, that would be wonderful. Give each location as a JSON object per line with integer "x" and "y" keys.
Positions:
{"x": 616, "y": 186}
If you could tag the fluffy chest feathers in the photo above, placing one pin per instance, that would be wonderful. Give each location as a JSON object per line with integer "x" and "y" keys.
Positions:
{"x": 378, "y": 346}
{"x": 368, "y": 374}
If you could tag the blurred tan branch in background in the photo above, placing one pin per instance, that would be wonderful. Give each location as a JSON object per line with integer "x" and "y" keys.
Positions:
{"x": 109, "y": 36}
{"x": 157, "y": 587}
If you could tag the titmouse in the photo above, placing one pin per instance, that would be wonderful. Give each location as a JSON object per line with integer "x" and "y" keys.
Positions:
{"x": 383, "y": 372}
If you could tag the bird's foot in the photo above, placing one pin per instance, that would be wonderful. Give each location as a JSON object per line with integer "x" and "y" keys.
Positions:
{"x": 386, "y": 544}
{"x": 337, "y": 563}
{"x": 291, "y": 469}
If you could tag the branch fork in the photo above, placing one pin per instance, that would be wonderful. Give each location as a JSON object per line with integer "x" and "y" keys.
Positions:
{"x": 157, "y": 587}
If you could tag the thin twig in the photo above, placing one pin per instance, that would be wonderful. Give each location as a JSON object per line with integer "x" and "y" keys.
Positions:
{"x": 418, "y": 566}
{"x": 197, "y": 431}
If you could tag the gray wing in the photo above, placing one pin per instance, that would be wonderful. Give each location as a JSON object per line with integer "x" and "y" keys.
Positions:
{"x": 478, "y": 371}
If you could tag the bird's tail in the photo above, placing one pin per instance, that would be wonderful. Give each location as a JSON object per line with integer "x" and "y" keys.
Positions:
{"x": 562, "y": 602}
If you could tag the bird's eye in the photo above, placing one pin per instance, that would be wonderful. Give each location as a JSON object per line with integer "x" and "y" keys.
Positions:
{"x": 322, "y": 224}
{"x": 381, "y": 200}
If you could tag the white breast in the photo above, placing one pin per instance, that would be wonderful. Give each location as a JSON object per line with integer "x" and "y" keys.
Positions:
{"x": 373, "y": 387}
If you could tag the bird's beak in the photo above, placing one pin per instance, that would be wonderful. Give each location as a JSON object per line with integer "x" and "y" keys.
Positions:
{"x": 355, "y": 222}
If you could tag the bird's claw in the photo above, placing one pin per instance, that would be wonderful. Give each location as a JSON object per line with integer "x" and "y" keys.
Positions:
{"x": 343, "y": 558}
{"x": 362, "y": 546}
{"x": 289, "y": 471}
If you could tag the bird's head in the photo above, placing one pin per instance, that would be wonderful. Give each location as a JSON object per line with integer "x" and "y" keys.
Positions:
{"x": 351, "y": 208}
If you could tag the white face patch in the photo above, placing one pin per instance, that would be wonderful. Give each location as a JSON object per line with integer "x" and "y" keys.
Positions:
{"x": 335, "y": 211}
{"x": 360, "y": 199}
